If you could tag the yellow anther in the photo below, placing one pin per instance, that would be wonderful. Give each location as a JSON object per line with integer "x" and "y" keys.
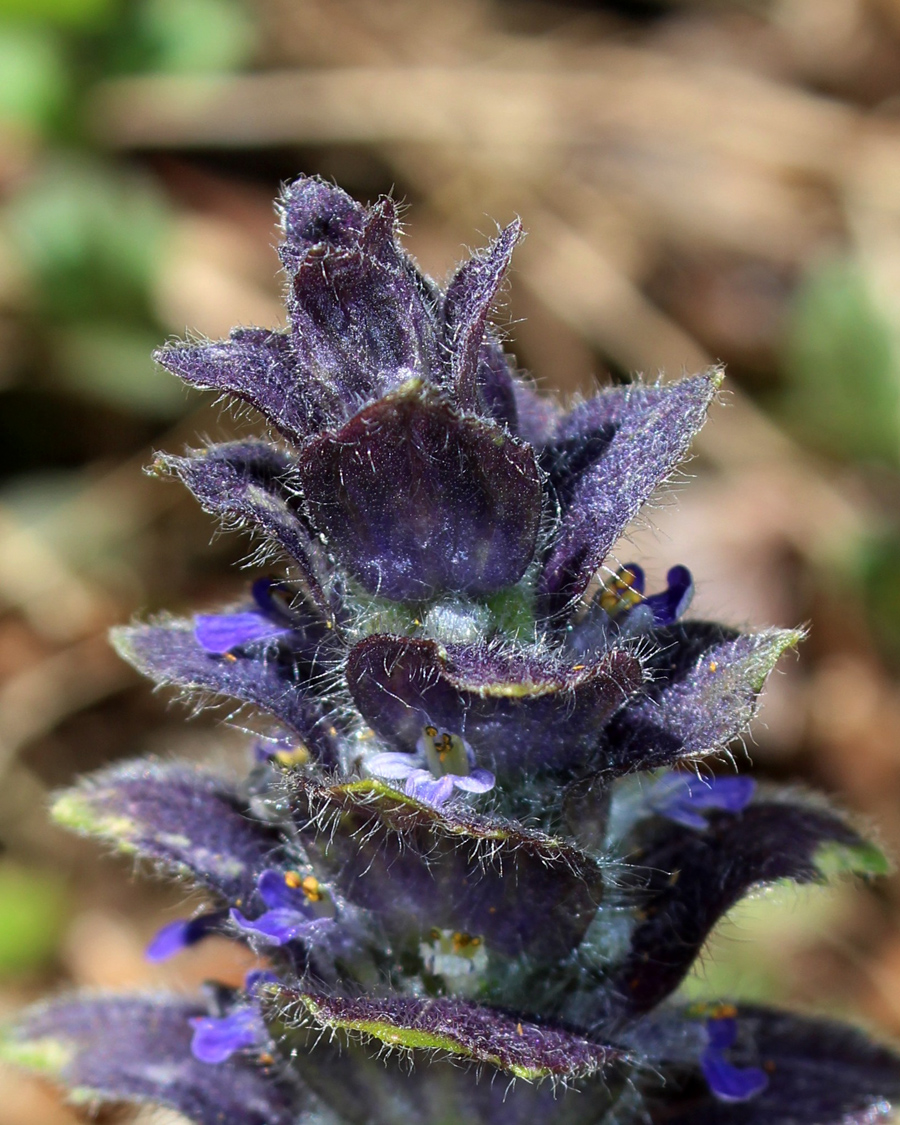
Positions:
{"x": 519, "y": 1029}
{"x": 312, "y": 888}
{"x": 231, "y": 658}
{"x": 297, "y": 756}
{"x": 619, "y": 594}
{"x": 431, "y": 731}
{"x": 462, "y": 941}
{"x": 713, "y": 665}
{"x": 293, "y": 879}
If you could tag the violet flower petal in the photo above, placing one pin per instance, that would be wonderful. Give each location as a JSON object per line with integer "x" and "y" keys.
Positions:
{"x": 674, "y": 601}
{"x": 684, "y": 797}
{"x": 218, "y": 633}
{"x": 182, "y": 934}
{"x": 392, "y": 765}
{"x": 279, "y": 926}
{"x": 217, "y": 1039}
{"x": 728, "y": 1082}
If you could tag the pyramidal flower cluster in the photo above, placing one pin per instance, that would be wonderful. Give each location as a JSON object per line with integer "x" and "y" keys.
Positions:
{"x": 472, "y": 847}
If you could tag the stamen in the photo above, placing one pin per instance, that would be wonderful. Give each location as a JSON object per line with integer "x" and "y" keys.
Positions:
{"x": 312, "y": 888}
{"x": 621, "y": 593}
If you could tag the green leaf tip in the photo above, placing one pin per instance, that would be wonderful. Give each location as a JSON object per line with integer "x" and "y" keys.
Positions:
{"x": 47, "y": 1057}
{"x": 75, "y": 810}
{"x": 398, "y": 1037}
{"x": 772, "y": 646}
{"x": 833, "y": 858}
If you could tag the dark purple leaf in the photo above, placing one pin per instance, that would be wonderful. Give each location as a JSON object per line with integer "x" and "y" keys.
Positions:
{"x": 418, "y": 868}
{"x": 137, "y": 1049}
{"x": 819, "y": 1072}
{"x": 260, "y": 367}
{"x": 187, "y": 821}
{"x": 467, "y": 305}
{"x": 496, "y": 383}
{"x": 347, "y": 1075}
{"x": 687, "y": 879}
{"x": 252, "y": 481}
{"x": 272, "y": 676}
{"x": 362, "y": 319}
{"x": 458, "y": 1028}
{"x": 619, "y": 447}
{"x": 702, "y": 694}
{"x": 537, "y": 415}
{"x": 519, "y": 712}
{"x": 315, "y": 213}
{"x": 417, "y": 500}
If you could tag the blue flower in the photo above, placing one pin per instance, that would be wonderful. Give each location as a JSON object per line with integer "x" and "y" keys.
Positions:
{"x": 183, "y": 933}
{"x": 442, "y": 762}
{"x": 217, "y": 1038}
{"x": 683, "y": 797}
{"x": 729, "y": 1083}
{"x": 219, "y": 633}
{"x": 298, "y": 907}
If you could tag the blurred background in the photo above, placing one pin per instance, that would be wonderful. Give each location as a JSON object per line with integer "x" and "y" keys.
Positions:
{"x": 701, "y": 182}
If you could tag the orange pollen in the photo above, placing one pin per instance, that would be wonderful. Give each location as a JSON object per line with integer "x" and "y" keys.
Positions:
{"x": 311, "y": 888}
{"x": 464, "y": 941}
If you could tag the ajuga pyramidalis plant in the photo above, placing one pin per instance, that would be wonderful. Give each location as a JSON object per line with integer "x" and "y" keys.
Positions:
{"x": 472, "y": 844}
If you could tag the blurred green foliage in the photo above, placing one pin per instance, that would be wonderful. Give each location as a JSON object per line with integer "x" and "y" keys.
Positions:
{"x": 91, "y": 236}
{"x": 841, "y": 367}
{"x": 33, "y": 80}
{"x": 88, "y": 234}
{"x": 33, "y": 907}
{"x": 185, "y": 37}
{"x": 78, "y": 14}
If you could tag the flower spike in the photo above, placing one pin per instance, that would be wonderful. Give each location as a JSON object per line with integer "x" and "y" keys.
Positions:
{"x": 471, "y": 848}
